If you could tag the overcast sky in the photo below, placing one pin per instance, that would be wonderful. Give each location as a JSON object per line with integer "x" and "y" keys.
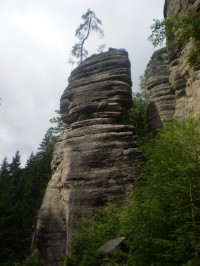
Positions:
{"x": 36, "y": 39}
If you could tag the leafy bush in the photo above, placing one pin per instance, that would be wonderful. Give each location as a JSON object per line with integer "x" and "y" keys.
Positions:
{"x": 194, "y": 57}
{"x": 173, "y": 186}
{"x": 92, "y": 235}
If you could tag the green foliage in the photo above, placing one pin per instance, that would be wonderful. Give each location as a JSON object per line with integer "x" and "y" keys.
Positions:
{"x": 173, "y": 180}
{"x": 137, "y": 115}
{"x": 92, "y": 235}
{"x": 194, "y": 57}
{"x": 59, "y": 125}
{"x": 90, "y": 24}
{"x": 178, "y": 31}
{"x": 158, "y": 33}
{"x": 15, "y": 169}
{"x": 162, "y": 222}
{"x": 4, "y": 171}
{"x": 101, "y": 48}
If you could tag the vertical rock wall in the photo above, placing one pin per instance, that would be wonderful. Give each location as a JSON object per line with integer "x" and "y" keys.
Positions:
{"x": 185, "y": 81}
{"x": 96, "y": 158}
{"x": 161, "y": 98}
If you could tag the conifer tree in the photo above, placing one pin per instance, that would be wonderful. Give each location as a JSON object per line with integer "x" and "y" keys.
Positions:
{"x": 15, "y": 166}
{"x": 4, "y": 171}
{"x": 90, "y": 24}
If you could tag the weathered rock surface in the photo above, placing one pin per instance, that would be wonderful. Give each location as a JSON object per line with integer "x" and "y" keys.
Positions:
{"x": 99, "y": 91}
{"x": 96, "y": 158}
{"x": 179, "y": 79}
{"x": 161, "y": 98}
{"x": 185, "y": 81}
{"x": 112, "y": 245}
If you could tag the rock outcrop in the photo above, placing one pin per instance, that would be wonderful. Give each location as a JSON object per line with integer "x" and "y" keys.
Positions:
{"x": 111, "y": 246}
{"x": 51, "y": 224}
{"x": 184, "y": 80}
{"x": 161, "y": 98}
{"x": 96, "y": 158}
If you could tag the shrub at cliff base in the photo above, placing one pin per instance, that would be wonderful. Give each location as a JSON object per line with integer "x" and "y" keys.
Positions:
{"x": 162, "y": 222}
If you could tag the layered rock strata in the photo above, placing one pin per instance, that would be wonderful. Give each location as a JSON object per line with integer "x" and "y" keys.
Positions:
{"x": 161, "y": 98}
{"x": 173, "y": 86}
{"x": 184, "y": 80}
{"x": 96, "y": 158}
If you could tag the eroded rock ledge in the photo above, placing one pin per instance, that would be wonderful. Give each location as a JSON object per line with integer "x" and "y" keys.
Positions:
{"x": 97, "y": 156}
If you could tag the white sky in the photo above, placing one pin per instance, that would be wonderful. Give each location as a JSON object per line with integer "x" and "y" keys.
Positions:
{"x": 36, "y": 39}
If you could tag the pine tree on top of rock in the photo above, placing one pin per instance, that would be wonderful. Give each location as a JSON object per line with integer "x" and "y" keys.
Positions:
{"x": 90, "y": 24}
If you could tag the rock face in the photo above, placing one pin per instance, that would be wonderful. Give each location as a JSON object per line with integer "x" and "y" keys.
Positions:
{"x": 161, "y": 98}
{"x": 173, "y": 90}
{"x": 51, "y": 224}
{"x": 185, "y": 81}
{"x": 96, "y": 158}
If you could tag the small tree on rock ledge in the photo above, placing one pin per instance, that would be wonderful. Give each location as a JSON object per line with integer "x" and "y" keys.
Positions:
{"x": 91, "y": 23}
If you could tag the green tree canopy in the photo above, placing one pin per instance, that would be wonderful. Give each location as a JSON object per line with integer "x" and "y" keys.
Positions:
{"x": 4, "y": 170}
{"x": 21, "y": 194}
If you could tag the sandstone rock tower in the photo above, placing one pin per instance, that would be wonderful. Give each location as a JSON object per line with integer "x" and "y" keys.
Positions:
{"x": 96, "y": 158}
{"x": 172, "y": 83}
{"x": 161, "y": 98}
